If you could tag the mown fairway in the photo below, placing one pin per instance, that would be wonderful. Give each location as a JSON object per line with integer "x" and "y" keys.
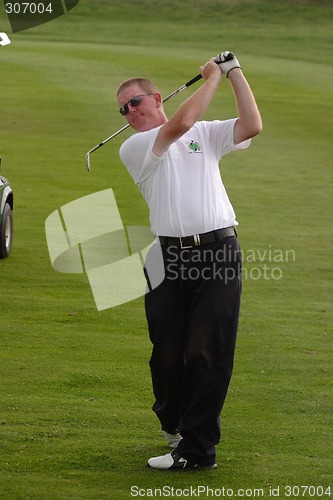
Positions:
{"x": 75, "y": 418}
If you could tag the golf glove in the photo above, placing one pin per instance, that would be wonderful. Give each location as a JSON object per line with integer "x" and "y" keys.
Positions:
{"x": 227, "y": 61}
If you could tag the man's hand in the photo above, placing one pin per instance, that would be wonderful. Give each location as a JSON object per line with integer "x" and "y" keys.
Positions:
{"x": 191, "y": 110}
{"x": 210, "y": 69}
{"x": 227, "y": 61}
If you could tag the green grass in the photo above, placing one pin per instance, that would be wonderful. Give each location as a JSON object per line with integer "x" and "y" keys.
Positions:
{"x": 75, "y": 418}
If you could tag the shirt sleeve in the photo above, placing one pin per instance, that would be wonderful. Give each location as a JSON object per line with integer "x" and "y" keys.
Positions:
{"x": 221, "y": 136}
{"x": 137, "y": 155}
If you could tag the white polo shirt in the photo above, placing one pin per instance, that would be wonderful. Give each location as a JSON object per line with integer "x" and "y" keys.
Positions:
{"x": 183, "y": 188}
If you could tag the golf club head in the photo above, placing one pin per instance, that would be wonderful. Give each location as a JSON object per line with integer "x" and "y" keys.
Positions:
{"x": 88, "y": 161}
{"x": 4, "y": 39}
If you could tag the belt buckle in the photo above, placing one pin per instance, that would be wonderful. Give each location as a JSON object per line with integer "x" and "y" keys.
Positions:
{"x": 196, "y": 242}
{"x": 183, "y": 247}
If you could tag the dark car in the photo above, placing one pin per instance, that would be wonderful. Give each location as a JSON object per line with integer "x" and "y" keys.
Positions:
{"x": 6, "y": 217}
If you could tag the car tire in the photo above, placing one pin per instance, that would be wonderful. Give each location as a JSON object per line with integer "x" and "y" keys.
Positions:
{"x": 6, "y": 232}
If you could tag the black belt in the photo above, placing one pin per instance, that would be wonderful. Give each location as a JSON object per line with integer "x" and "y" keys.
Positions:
{"x": 198, "y": 239}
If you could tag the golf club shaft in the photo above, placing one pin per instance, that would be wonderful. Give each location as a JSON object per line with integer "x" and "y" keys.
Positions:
{"x": 183, "y": 87}
{"x": 180, "y": 89}
{"x": 102, "y": 144}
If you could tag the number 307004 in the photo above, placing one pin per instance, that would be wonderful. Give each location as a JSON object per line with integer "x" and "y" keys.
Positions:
{"x": 28, "y": 8}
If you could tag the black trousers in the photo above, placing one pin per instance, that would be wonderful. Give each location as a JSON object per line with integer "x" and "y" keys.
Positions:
{"x": 193, "y": 320}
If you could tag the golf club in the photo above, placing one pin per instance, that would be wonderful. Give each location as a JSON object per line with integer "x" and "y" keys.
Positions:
{"x": 225, "y": 56}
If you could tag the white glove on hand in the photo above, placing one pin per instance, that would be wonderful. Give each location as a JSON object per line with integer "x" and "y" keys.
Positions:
{"x": 227, "y": 61}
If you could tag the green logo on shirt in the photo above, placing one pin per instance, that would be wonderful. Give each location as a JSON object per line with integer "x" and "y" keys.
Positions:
{"x": 194, "y": 147}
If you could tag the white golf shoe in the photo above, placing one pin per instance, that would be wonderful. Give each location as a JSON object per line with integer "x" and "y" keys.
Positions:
{"x": 173, "y": 461}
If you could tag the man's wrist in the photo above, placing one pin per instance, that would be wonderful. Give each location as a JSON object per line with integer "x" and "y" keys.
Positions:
{"x": 215, "y": 78}
{"x": 235, "y": 75}
{"x": 234, "y": 72}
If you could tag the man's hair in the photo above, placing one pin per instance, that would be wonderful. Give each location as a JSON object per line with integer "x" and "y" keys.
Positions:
{"x": 146, "y": 85}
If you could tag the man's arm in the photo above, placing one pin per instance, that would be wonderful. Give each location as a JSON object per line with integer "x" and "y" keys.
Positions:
{"x": 249, "y": 121}
{"x": 191, "y": 110}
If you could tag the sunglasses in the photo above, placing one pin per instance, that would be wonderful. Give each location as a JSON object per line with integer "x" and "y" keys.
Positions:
{"x": 135, "y": 101}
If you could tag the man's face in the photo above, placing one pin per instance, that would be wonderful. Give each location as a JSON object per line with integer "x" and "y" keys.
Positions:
{"x": 147, "y": 114}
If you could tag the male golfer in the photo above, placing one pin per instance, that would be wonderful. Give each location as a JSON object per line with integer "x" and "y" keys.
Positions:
{"x": 193, "y": 314}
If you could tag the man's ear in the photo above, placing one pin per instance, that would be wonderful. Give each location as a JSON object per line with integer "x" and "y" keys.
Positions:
{"x": 158, "y": 99}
